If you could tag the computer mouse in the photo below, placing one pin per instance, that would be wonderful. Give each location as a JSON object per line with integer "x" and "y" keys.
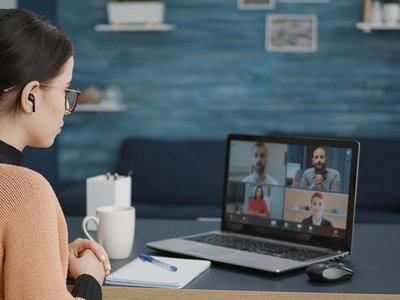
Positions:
{"x": 328, "y": 272}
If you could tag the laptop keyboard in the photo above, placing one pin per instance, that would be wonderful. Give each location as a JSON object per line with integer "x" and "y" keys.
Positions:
{"x": 260, "y": 247}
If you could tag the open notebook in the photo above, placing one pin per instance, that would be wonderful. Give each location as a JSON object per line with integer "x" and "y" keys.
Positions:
{"x": 288, "y": 202}
{"x": 146, "y": 274}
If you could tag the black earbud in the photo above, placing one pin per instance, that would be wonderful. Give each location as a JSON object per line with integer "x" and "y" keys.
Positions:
{"x": 31, "y": 98}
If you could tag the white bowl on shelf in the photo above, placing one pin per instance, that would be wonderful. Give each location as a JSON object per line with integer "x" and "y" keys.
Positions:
{"x": 136, "y": 12}
{"x": 390, "y": 13}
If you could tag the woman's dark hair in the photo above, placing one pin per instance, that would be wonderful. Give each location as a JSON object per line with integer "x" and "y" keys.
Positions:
{"x": 255, "y": 191}
{"x": 31, "y": 48}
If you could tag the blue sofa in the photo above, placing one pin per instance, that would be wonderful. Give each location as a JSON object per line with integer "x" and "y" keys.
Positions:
{"x": 184, "y": 180}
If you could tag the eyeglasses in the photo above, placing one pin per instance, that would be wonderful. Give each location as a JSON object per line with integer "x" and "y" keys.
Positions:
{"x": 71, "y": 97}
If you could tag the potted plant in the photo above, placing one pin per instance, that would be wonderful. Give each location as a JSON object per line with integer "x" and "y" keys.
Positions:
{"x": 135, "y": 11}
{"x": 390, "y": 11}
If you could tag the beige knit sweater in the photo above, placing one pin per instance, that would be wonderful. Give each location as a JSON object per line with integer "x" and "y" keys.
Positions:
{"x": 33, "y": 237}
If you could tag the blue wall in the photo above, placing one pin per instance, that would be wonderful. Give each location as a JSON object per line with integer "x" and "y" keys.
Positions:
{"x": 212, "y": 76}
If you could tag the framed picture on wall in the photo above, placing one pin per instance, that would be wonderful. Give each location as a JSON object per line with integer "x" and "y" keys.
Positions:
{"x": 291, "y": 33}
{"x": 256, "y": 4}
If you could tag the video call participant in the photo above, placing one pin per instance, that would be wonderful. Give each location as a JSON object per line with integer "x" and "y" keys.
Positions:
{"x": 257, "y": 206}
{"x": 258, "y": 173}
{"x": 319, "y": 177}
{"x": 317, "y": 209}
{"x": 36, "y": 59}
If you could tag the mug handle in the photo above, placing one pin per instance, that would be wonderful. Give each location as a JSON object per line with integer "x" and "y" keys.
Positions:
{"x": 84, "y": 223}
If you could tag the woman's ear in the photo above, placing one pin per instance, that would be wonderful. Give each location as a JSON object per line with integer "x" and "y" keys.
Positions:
{"x": 29, "y": 96}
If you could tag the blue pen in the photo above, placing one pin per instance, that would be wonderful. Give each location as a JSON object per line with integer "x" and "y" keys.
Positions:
{"x": 157, "y": 262}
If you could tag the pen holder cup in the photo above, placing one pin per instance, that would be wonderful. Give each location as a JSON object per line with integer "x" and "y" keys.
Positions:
{"x": 105, "y": 190}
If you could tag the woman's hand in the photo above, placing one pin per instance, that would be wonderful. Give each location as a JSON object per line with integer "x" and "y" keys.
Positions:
{"x": 77, "y": 247}
{"x": 86, "y": 263}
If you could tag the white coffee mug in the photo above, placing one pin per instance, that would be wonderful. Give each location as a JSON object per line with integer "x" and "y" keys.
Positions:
{"x": 115, "y": 229}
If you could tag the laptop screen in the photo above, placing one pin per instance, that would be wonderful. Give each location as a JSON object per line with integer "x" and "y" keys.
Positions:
{"x": 295, "y": 189}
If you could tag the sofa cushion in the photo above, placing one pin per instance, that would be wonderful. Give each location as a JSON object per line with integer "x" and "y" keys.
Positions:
{"x": 378, "y": 179}
{"x": 174, "y": 172}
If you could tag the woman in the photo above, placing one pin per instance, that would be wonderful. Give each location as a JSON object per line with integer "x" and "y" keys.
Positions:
{"x": 317, "y": 208}
{"x": 257, "y": 205}
{"x": 36, "y": 60}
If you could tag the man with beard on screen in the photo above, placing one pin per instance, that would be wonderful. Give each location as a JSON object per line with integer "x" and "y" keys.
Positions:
{"x": 319, "y": 177}
{"x": 258, "y": 173}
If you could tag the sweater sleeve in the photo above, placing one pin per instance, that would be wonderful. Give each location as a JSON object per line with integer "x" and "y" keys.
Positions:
{"x": 35, "y": 249}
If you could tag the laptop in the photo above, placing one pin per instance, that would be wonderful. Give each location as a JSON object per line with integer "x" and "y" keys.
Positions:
{"x": 288, "y": 202}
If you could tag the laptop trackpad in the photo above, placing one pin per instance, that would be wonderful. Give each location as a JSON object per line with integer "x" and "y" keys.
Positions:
{"x": 209, "y": 251}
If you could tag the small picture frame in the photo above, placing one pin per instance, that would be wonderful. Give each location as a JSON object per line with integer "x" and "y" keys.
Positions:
{"x": 256, "y": 4}
{"x": 291, "y": 33}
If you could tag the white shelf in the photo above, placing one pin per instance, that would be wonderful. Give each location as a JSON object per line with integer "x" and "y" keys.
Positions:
{"x": 134, "y": 27}
{"x": 102, "y": 107}
{"x": 367, "y": 27}
{"x": 309, "y": 211}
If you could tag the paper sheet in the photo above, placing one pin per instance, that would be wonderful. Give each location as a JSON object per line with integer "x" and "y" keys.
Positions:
{"x": 146, "y": 274}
